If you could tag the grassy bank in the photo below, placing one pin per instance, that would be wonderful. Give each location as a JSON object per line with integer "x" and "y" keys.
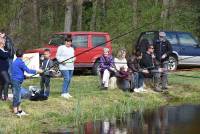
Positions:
{"x": 89, "y": 103}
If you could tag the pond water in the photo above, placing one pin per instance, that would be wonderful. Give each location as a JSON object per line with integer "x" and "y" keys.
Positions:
{"x": 183, "y": 119}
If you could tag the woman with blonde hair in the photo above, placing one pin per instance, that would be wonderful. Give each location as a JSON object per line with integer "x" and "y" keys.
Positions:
{"x": 122, "y": 69}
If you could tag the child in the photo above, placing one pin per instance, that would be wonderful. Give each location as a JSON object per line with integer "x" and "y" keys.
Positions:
{"x": 18, "y": 68}
{"x": 45, "y": 77}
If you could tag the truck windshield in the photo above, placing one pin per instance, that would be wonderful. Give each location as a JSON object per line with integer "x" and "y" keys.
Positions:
{"x": 57, "y": 39}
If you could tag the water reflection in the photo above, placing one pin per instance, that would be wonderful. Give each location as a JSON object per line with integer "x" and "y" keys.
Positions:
{"x": 184, "y": 119}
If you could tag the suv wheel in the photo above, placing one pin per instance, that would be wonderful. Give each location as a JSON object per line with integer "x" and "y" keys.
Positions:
{"x": 173, "y": 63}
{"x": 95, "y": 68}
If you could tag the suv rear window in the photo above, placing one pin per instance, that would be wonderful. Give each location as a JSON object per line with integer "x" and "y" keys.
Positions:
{"x": 186, "y": 39}
{"x": 150, "y": 36}
{"x": 80, "y": 41}
{"x": 97, "y": 40}
{"x": 171, "y": 37}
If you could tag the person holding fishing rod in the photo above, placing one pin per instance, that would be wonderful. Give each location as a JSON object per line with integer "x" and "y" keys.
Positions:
{"x": 66, "y": 64}
{"x": 150, "y": 63}
{"x": 163, "y": 49}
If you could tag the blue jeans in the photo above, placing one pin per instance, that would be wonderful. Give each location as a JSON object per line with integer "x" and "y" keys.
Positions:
{"x": 137, "y": 80}
{"x": 16, "y": 93}
{"x": 67, "y": 74}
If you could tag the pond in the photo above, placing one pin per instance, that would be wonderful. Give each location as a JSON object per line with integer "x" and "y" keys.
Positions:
{"x": 182, "y": 119}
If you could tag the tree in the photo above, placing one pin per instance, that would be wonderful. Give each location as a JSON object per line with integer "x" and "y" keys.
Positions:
{"x": 134, "y": 3}
{"x": 68, "y": 15}
{"x": 165, "y": 12}
{"x": 36, "y": 20}
{"x": 79, "y": 14}
{"x": 94, "y": 15}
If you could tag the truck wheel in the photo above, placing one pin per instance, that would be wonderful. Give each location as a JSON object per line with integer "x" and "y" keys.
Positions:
{"x": 56, "y": 69}
{"x": 173, "y": 63}
{"x": 95, "y": 68}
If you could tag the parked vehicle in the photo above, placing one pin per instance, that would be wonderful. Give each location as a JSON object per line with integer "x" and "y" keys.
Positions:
{"x": 186, "y": 48}
{"x": 81, "y": 41}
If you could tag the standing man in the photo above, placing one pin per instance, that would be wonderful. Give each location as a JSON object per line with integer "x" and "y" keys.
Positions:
{"x": 9, "y": 46}
{"x": 65, "y": 56}
{"x": 163, "y": 49}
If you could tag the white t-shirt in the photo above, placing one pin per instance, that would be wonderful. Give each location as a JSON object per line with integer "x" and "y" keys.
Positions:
{"x": 64, "y": 53}
{"x": 119, "y": 63}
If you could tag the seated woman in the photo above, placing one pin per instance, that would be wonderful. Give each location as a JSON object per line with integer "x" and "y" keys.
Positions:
{"x": 122, "y": 69}
{"x": 106, "y": 68}
{"x": 138, "y": 76}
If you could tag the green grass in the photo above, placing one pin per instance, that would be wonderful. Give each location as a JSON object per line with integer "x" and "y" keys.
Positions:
{"x": 90, "y": 103}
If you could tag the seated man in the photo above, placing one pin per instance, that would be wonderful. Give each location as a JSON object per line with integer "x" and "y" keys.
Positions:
{"x": 149, "y": 62}
{"x": 106, "y": 68}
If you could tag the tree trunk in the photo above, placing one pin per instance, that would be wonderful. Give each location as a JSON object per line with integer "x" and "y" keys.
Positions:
{"x": 134, "y": 3}
{"x": 165, "y": 12}
{"x": 172, "y": 11}
{"x": 79, "y": 14}
{"x": 68, "y": 15}
{"x": 94, "y": 13}
{"x": 36, "y": 20}
{"x": 103, "y": 8}
{"x": 55, "y": 9}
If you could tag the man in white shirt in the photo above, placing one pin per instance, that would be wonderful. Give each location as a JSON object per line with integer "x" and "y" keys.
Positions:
{"x": 66, "y": 53}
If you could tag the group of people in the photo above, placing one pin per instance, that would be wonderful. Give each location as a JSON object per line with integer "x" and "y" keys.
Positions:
{"x": 12, "y": 70}
{"x": 149, "y": 60}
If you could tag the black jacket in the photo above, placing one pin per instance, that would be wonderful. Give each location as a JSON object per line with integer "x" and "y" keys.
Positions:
{"x": 4, "y": 65}
{"x": 9, "y": 46}
{"x": 147, "y": 62}
{"x": 134, "y": 64}
{"x": 162, "y": 48}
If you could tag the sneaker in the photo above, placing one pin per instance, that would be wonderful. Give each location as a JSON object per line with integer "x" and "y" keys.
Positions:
{"x": 65, "y": 96}
{"x": 18, "y": 114}
{"x": 22, "y": 113}
{"x": 165, "y": 88}
{"x": 142, "y": 89}
{"x": 137, "y": 90}
{"x": 69, "y": 95}
{"x": 157, "y": 89}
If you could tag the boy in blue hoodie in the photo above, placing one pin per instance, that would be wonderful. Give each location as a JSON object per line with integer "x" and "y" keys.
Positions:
{"x": 18, "y": 69}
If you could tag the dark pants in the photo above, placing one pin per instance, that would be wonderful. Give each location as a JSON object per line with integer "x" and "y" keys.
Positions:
{"x": 156, "y": 76}
{"x": 164, "y": 75}
{"x": 45, "y": 85}
{"x": 4, "y": 76}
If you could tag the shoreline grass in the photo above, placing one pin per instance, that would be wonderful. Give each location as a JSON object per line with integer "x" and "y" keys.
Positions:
{"x": 90, "y": 103}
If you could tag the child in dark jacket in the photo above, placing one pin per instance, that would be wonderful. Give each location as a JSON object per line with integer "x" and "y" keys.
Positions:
{"x": 18, "y": 69}
{"x": 45, "y": 77}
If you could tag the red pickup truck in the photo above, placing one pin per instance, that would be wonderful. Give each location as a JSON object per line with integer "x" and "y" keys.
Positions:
{"x": 81, "y": 41}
